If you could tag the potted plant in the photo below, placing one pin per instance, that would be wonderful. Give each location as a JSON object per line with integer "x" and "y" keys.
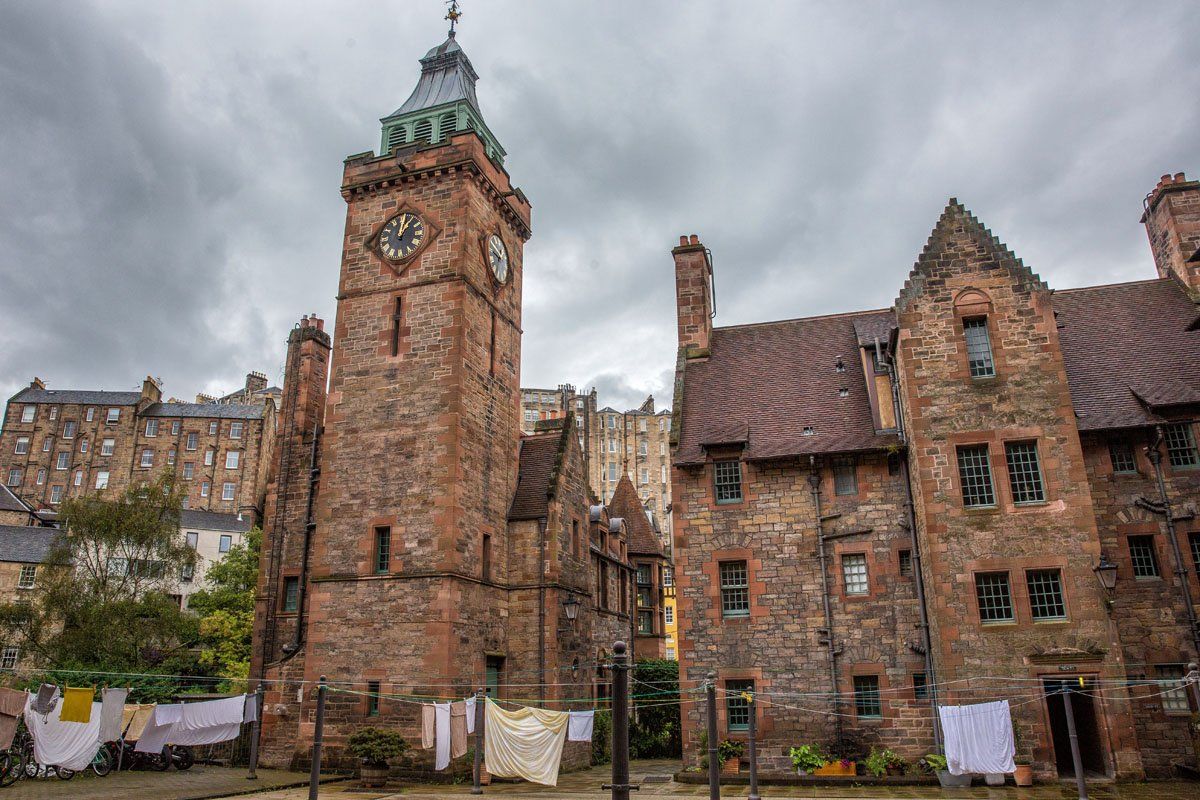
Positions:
{"x": 882, "y": 761}
{"x": 373, "y": 747}
{"x": 1023, "y": 774}
{"x": 936, "y": 763}
{"x": 728, "y": 753}
{"x": 807, "y": 758}
{"x": 838, "y": 767}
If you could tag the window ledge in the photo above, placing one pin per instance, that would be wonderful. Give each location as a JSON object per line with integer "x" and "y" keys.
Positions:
{"x": 1006, "y": 623}
{"x": 981, "y": 509}
{"x": 1053, "y": 621}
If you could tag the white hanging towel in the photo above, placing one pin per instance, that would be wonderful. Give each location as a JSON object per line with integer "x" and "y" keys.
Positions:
{"x": 210, "y": 721}
{"x": 470, "y": 701}
{"x": 71, "y": 745}
{"x": 526, "y": 743}
{"x": 158, "y": 729}
{"x": 112, "y": 705}
{"x": 579, "y": 725}
{"x": 441, "y": 735}
{"x": 978, "y": 738}
{"x": 250, "y": 713}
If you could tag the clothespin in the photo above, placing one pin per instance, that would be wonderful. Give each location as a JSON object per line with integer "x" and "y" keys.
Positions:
{"x": 1080, "y": 681}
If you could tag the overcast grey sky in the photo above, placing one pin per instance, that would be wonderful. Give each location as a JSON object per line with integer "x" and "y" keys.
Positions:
{"x": 169, "y": 171}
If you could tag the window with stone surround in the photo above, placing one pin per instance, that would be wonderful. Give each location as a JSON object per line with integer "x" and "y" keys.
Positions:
{"x": 14, "y": 476}
{"x": 845, "y": 478}
{"x": 979, "y": 348}
{"x": 373, "y": 692}
{"x": 906, "y": 562}
{"x": 28, "y": 413}
{"x": 22, "y": 446}
{"x": 975, "y": 475}
{"x": 28, "y": 576}
{"x": 1181, "y": 445}
{"x": 1194, "y": 541}
{"x": 213, "y": 427}
{"x": 1024, "y": 472}
{"x": 1174, "y": 695}
{"x": 113, "y": 416}
{"x": 1143, "y": 557}
{"x": 727, "y": 481}
{"x": 174, "y": 427}
{"x": 994, "y": 597}
{"x": 645, "y": 622}
{"x": 383, "y": 549}
{"x": 735, "y": 589}
{"x": 107, "y": 446}
{"x": 1045, "y": 594}
{"x": 152, "y": 427}
{"x": 737, "y": 710}
{"x": 854, "y": 573}
{"x": 9, "y": 657}
{"x": 920, "y": 686}
{"x": 291, "y": 594}
{"x": 1122, "y": 458}
{"x": 867, "y": 701}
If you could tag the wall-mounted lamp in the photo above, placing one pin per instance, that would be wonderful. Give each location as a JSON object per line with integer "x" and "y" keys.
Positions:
{"x": 571, "y": 606}
{"x": 1106, "y": 572}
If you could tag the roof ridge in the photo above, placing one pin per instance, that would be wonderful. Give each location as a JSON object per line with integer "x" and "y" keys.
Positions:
{"x": 805, "y": 319}
{"x": 1141, "y": 282}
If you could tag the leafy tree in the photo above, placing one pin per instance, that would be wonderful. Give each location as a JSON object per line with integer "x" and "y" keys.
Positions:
{"x": 102, "y": 597}
{"x": 226, "y": 609}
{"x": 656, "y": 731}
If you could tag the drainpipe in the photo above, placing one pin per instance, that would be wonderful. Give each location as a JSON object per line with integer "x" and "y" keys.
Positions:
{"x": 911, "y": 521}
{"x": 314, "y": 474}
{"x": 1155, "y": 455}
{"x": 814, "y": 481}
{"x": 542, "y": 611}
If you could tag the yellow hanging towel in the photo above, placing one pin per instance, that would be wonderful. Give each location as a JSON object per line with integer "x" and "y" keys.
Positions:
{"x": 76, "y": 705}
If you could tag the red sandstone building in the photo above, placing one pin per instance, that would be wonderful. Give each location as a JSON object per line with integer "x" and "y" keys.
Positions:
{"x": 416, "y": 543}
{"x": 878, "y": 511}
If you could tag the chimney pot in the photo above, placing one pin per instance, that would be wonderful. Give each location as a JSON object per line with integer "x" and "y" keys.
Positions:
{"x": 1179, "y": 178}
{"x": 1165, "y": 179}
{"x": 695, "y": 239}
{"x": 682, "y": 241}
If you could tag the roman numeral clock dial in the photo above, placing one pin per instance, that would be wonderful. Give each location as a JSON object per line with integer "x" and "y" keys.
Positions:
{"x": 401, "y": 236}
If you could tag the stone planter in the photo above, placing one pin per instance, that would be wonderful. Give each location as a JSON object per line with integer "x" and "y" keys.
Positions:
{"x": 837, "y": 768}
{"x": 1023, "y": 775}
{"x": 949, "y": 781}
{"x": 373, "y": 775}
{"x": 994, "y": 779}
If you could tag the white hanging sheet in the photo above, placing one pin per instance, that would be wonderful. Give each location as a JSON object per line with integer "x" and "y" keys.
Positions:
{"x": 978, "y": 738}
{"x": 470, "y": 701}
{"x": 112, "y": 707}
{"x": 158, "y": 729}
{"x": 71, "y": 745}
{"x": 209, "y": 721}
{"x": 526, "y": 743}
{"x": 441, "y": 736}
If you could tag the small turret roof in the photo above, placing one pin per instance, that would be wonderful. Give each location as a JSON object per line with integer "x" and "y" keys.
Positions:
{"x": 446, "y": 77}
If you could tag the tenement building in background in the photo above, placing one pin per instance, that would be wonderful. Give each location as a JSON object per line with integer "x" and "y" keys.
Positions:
{"x": 416, "y": 541}
{"x": 633, "y": 443}
{"x": 60, "y": 443}
{"x": 987, "y": 491}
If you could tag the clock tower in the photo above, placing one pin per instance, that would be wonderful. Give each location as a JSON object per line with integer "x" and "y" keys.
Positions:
{"x": 404, "y": 568}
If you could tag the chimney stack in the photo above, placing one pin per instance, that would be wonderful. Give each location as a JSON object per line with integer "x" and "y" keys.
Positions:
{"x": 1172, "y": 220}
{"x": 255, "y": 382}
{"x": 693, "y": 296}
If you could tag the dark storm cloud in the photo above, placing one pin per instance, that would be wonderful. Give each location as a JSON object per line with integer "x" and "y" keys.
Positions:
{"x": 169, "y": 171}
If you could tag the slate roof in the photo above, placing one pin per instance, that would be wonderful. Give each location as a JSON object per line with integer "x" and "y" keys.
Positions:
{"x": 627, "y": 505}
{"x": 27, "y": 544}
{"x": 77, "y": 396}
{"x": 872, "y": 326}
{"x": 10, "y": 502}
{"x": 1129, "y": 352}
{"x": 446, "y": 77}
{"x": 204, "y": 410}
{"x": 763, "y": 384}
{"x": 540, "y": 454}
{"x": 212, "y": 521}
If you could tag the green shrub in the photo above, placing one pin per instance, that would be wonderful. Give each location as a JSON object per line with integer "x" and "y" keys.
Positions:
{"x": 934, "y": 762}
{"x": 880, "y": 759}
{"x": 729, "y": 749}
{"x": 808, "y": 757}
{"x": 602, "y": 737}
{"x": 375, "y": 746}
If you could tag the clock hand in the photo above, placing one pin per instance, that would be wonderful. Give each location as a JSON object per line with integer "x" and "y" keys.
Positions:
{"x": 404, "y": 226}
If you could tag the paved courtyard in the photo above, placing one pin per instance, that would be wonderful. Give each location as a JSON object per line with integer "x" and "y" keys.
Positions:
{"x": 654, "y": 776}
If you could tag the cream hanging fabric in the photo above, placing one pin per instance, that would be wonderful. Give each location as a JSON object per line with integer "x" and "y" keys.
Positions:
{"x": 526, "y": 743}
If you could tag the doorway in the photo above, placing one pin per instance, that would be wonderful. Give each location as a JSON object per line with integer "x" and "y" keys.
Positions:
{"x": 1087, "y": 727}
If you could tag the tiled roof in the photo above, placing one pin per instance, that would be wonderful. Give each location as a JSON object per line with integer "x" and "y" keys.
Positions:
{"x": 204, "y": 410}
{"x": 626, "y": 504}
{"x": 77, "y": 396}
{"x": 874, "y": 326}
{"x": 1124, "y": 342}
{"x": 540, "y": 455}
{"x": 27, "y": 544}
{"x": 212, "y": 521}
{"x": 763, "y": 384}
{"x": 10, "y": 502}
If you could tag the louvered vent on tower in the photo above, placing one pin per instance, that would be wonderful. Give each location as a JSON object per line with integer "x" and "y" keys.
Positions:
{"x": 396, "y": 138}
{"x": 446, "y": 126}
{"x": 423, "y": 132}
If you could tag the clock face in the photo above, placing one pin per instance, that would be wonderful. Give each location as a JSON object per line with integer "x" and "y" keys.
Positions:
{"x": 497, "y": 258}
{"x": 401, "y": 236}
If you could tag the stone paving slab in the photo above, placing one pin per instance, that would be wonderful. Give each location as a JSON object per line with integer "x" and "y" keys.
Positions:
{"x": 201, "y": 781}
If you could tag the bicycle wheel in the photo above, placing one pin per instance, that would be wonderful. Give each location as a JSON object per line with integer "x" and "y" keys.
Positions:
{"x": 183, "y": 757}
{"x": 103, "y": 763}
{"x": 12, "y": 767}
{"x": 63, "y": 773}
{"x": 160, "y": 762}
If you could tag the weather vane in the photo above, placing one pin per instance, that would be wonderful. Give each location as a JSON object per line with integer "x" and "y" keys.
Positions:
{"x": 453, "y": 14}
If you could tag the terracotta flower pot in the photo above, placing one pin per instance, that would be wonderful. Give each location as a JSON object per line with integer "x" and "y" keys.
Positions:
{"x": 1023, "y": 776}
{"x": 731, "y": 767}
